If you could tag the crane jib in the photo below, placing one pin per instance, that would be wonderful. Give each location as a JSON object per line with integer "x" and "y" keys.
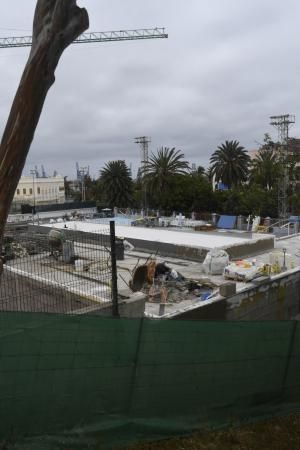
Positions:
{"x": 85, "y": 38}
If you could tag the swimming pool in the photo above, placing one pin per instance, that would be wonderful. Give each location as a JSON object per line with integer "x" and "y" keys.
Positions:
{"x": 119, "y": 220}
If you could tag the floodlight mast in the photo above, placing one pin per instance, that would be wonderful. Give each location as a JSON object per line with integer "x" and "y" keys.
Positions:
{"x": 144, "y": 142}
{"x": 92, "y": 37}
{"x": 283, "y": 123}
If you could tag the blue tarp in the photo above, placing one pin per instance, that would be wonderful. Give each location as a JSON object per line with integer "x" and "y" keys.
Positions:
{"x": 227, "y": 222}
{"x": 222, "y": 187}
{"x": 294, "y": 219}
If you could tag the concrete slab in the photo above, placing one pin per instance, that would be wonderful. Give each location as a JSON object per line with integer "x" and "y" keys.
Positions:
{"x": 190, "y": 269}
{"x": 190, "y": 245}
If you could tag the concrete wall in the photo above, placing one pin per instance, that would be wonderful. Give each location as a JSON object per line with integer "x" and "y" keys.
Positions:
{"x": 249, "y": 248}
{"x": 276, "y": 299}
{"x": 212, "y": 311}
{"x": 88, "y": 238}
{"x": 133, "y": 307}
{"x": 20, "y": 292}
{"x": 270, "y": 299}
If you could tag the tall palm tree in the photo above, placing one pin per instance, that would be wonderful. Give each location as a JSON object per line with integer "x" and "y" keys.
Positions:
{"x": 161, "y": 169}
{"x": 201, "y": 172}
{"x": 266, "y": 168}
{"x": 230, "y": 163}
{"x": 116, "y": 184}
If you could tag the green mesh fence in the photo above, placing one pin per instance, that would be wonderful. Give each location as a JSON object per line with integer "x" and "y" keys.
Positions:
{"x": 70, "y": 382}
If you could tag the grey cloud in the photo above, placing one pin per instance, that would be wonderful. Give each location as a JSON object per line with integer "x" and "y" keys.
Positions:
{"x": 226, "y": 67}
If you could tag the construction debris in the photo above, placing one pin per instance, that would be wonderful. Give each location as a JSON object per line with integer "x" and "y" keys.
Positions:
{"x": 242, "y": 270}
{"x": 165, "y": 285}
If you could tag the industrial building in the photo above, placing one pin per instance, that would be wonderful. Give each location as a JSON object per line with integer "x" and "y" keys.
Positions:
{"x": 40, "y": 190}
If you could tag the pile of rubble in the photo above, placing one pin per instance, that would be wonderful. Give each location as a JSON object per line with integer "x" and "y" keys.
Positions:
{"x": 163, "y": 284}
{"x": 12, "y": 249}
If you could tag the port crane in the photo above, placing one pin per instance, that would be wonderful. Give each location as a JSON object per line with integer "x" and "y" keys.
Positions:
{"x": 92, "y": 37}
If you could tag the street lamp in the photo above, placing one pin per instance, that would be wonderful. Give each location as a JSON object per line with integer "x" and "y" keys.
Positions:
{"x": 284, "y": 268}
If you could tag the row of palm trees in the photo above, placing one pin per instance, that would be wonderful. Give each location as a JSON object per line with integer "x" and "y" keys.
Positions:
{"x": 164, "y": 172}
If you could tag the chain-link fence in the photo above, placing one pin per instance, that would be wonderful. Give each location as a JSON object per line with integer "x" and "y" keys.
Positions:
{"x": 55, "y": 271}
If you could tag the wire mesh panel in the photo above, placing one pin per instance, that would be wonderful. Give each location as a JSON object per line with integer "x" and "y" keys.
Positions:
{"x": 57, "y": 271}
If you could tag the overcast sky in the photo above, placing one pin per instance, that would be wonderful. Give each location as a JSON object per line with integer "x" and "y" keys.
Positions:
{"x": 226, "y": 67}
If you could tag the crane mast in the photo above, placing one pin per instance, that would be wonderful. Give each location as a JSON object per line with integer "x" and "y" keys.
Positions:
{"x": 89, "y": 38}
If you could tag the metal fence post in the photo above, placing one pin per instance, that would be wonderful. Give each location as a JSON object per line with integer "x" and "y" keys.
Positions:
{"x": 114, "y": 278}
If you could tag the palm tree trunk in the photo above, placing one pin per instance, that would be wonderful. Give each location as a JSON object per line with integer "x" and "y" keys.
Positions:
{"x": 56, "y": 24}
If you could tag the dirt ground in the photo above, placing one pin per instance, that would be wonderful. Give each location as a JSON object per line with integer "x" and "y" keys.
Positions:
{"x": 275, "y": 434}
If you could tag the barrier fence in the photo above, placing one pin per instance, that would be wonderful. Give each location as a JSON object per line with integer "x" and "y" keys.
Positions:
{"x": 74, "y": 382}
{"x": 54, "y": 271}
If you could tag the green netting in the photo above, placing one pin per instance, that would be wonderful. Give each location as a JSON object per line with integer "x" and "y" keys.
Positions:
{"x": 73, "y": 382}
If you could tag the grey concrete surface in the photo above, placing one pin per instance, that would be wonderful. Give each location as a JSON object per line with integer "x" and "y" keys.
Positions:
{"x": 267, "y": 299}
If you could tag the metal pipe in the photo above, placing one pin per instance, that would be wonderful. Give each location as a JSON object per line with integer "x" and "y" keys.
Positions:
{"x": 114, "y": 277}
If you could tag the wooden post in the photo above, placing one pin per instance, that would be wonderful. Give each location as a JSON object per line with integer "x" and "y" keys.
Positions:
{"x": 56, "y": 24}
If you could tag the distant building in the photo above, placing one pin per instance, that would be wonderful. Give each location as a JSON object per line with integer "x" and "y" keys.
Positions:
{"x": 40, "y": 191}
{"x": 253, "y": 153}
{"x": 293, "y": 148}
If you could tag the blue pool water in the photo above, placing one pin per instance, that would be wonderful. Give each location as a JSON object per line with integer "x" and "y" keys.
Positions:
{"x": 119, "y": 220}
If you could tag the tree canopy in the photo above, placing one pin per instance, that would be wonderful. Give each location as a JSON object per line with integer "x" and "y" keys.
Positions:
{"x": 171, "y": 185}
{"x": 160, "y": 171}
{"x": 266, "y": 168}
{"x": 116, "y": 184}
{"x": 230, "y": 164}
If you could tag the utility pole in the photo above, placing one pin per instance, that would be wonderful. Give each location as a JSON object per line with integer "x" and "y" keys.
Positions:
{"x": 144, "y": 142}
{"x": 83, "y": 172}
{"x": 33, "y": 173}
{"x": 283, "y": 123}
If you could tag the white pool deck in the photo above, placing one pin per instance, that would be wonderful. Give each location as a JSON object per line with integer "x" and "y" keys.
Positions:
{"x": 189, "y": 239}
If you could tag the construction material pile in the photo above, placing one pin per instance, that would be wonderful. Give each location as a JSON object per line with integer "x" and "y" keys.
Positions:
{"x": 242, "y": 270}
{"x": 163, "y": 284}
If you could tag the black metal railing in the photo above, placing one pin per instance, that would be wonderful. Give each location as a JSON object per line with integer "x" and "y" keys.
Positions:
{"x": 57, "y": 271}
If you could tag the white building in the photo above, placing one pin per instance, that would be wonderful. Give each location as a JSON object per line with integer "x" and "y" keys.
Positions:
{"x": 40, "y": 191}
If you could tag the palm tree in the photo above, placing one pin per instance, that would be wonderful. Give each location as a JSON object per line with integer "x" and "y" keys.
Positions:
{"x": 161, "y": 169}
{"x": 266, "y": 168}
{"x": 201, "y": 172}
{"x": 116, "y": 184}
{"x": 230, "y": 163}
